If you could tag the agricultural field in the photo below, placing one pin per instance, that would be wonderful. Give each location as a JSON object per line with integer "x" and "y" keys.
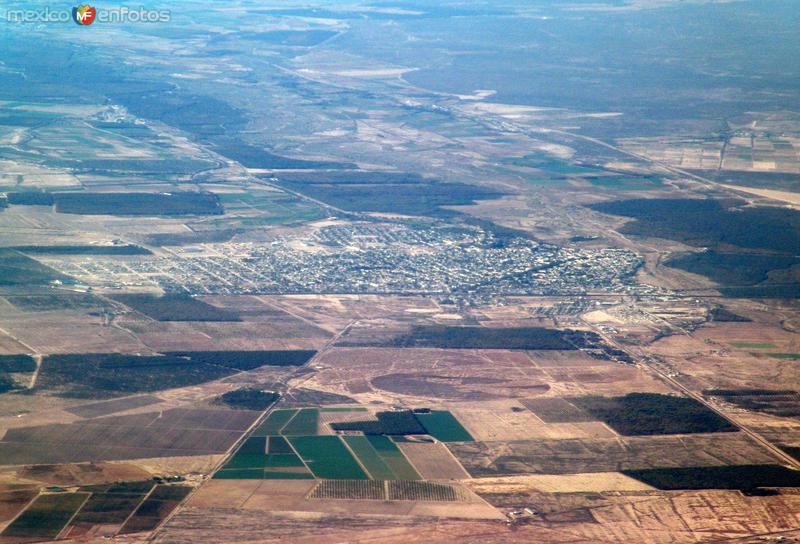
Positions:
{"x": 94, "y": 375}
{"x": 651, "y": 414}
{"x": 176, "y": 308}
{"x": 46, "y": 517}
{"x": 168, "y": 433}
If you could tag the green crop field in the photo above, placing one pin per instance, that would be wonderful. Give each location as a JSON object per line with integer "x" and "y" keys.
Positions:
{"x": 278, "y": 444}
{"x": 305, "y": 422}
{"x": 783, "y": 355}
{"x": 254, "y": 445}
{"x": 754, "y": 345}
{"x": 274, "y": 422}
{"x": 443, "y": 426}
{"x": 370, "y": 458}
{"x": 46, "y": 516}
{"x": 328, "y": 457}
{"x": 393, "y": 457}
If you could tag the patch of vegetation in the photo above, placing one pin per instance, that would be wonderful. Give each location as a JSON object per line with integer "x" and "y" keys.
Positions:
{"x": 305, "y": 422}
{"x": 722, "y": 315}
{"x": 46, "y": 516}
{"x": 423, "y": 491}
{"x": 710, "y": 223}
{"x": 653, "y": 414}
{"x": 19, "y": 269}
{"x": 301, "y": 396}
{"x": 525, "y": 338}
{"x": 108, "y": 508}
{"x": 190, "y": 238}
{"x": 748, "y": 245}
{"x": 176, "y": 308}
{"x": 783, "y": 355}
{"x": 147, "y": 204}
{"x": 443, "y": 426}
{"x": 781, "y": 402}
{"x": 276, "y": 420}
{"x": 424, "y": 198}
{"x": 248, "y": 360}
{"x": 794, "y": 451}
{"x": 7, "y": 383}
{"x": 393, "y": 457}
{"x": 328, "y": 457}
{"x": 248, "y": 399}
{"x": 41, "y": 303}
{"x": 90, "y": 375}
{"x": 251, "y": 156}
{"x": 754, "y": 345}
{"x": 17, "y": 363}
{"x": 350, "y": 489}
{"x": 122, "y": 249}
{"x": 31, "y": 198}
{"x": 388, "y": 423}
{"x": 746, "y": 478}
{"x": 369, "y": 457}
{"x": 732, "y": 268}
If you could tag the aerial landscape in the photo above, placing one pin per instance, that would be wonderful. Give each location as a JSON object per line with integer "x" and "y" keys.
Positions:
{"x": 397, "y": 271}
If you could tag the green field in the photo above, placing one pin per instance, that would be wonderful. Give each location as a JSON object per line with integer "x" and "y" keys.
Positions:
{"x": 783, "y": 355}
{"x": 278, "y": 444}
{"x": 393, "y": 457}
{"x": 46, "y": 516}
{"x": 305, "y": 422}
{"x": 274, "y": 422}
{"x": 754, "y": 345}
{"x": 443, "y": 426}
{"x": 328, "y": 457}
{"x": 370, "y": 458}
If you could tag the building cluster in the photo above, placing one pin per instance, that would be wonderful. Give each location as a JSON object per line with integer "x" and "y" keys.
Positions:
{"x": 374, "y": 258}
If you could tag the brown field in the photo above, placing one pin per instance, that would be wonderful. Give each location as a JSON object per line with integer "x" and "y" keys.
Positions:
{"x": 82, "y": 474}
{"x": 508, "y": 421}
{"x": 664, "y": 518}
{"x": 555, "y": 410}
{"x": 433, "y": 460}
{"x": 546, "y": 456}
{"x": 12, "y": 502}
{"x": 420, "y": 375}
{"x": 596, "y": 482}
{"x": 178, "y": 432}
{"x": 283, "y": 496}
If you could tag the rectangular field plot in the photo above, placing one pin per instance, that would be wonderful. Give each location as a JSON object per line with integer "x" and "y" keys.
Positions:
{"x": 276, "y": 420}
{"x": 426, "y": 491}
{"x": 369, "y": 457}
{"x": 46, "y": 516}
{"x": 328, "y": 457}
{"x": 252, "y": 461}
{"x": 443, "y": 426}
{"x": 556, "y": 410}
{"x": 393, "y": 457}
{"x": 575, "y": 456}
{"x": 175, "y": 432}
{"x": 745, "y": 478}
{"x": 305, "y": 422}
{"x": 108, "y": 508}
{"x": 653, "y": 414}
{"x": 350, "y": 489}
{"x": 433, "y": 461}
{"x": 108, "y": 407}
{"x": 155, "y": 508}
